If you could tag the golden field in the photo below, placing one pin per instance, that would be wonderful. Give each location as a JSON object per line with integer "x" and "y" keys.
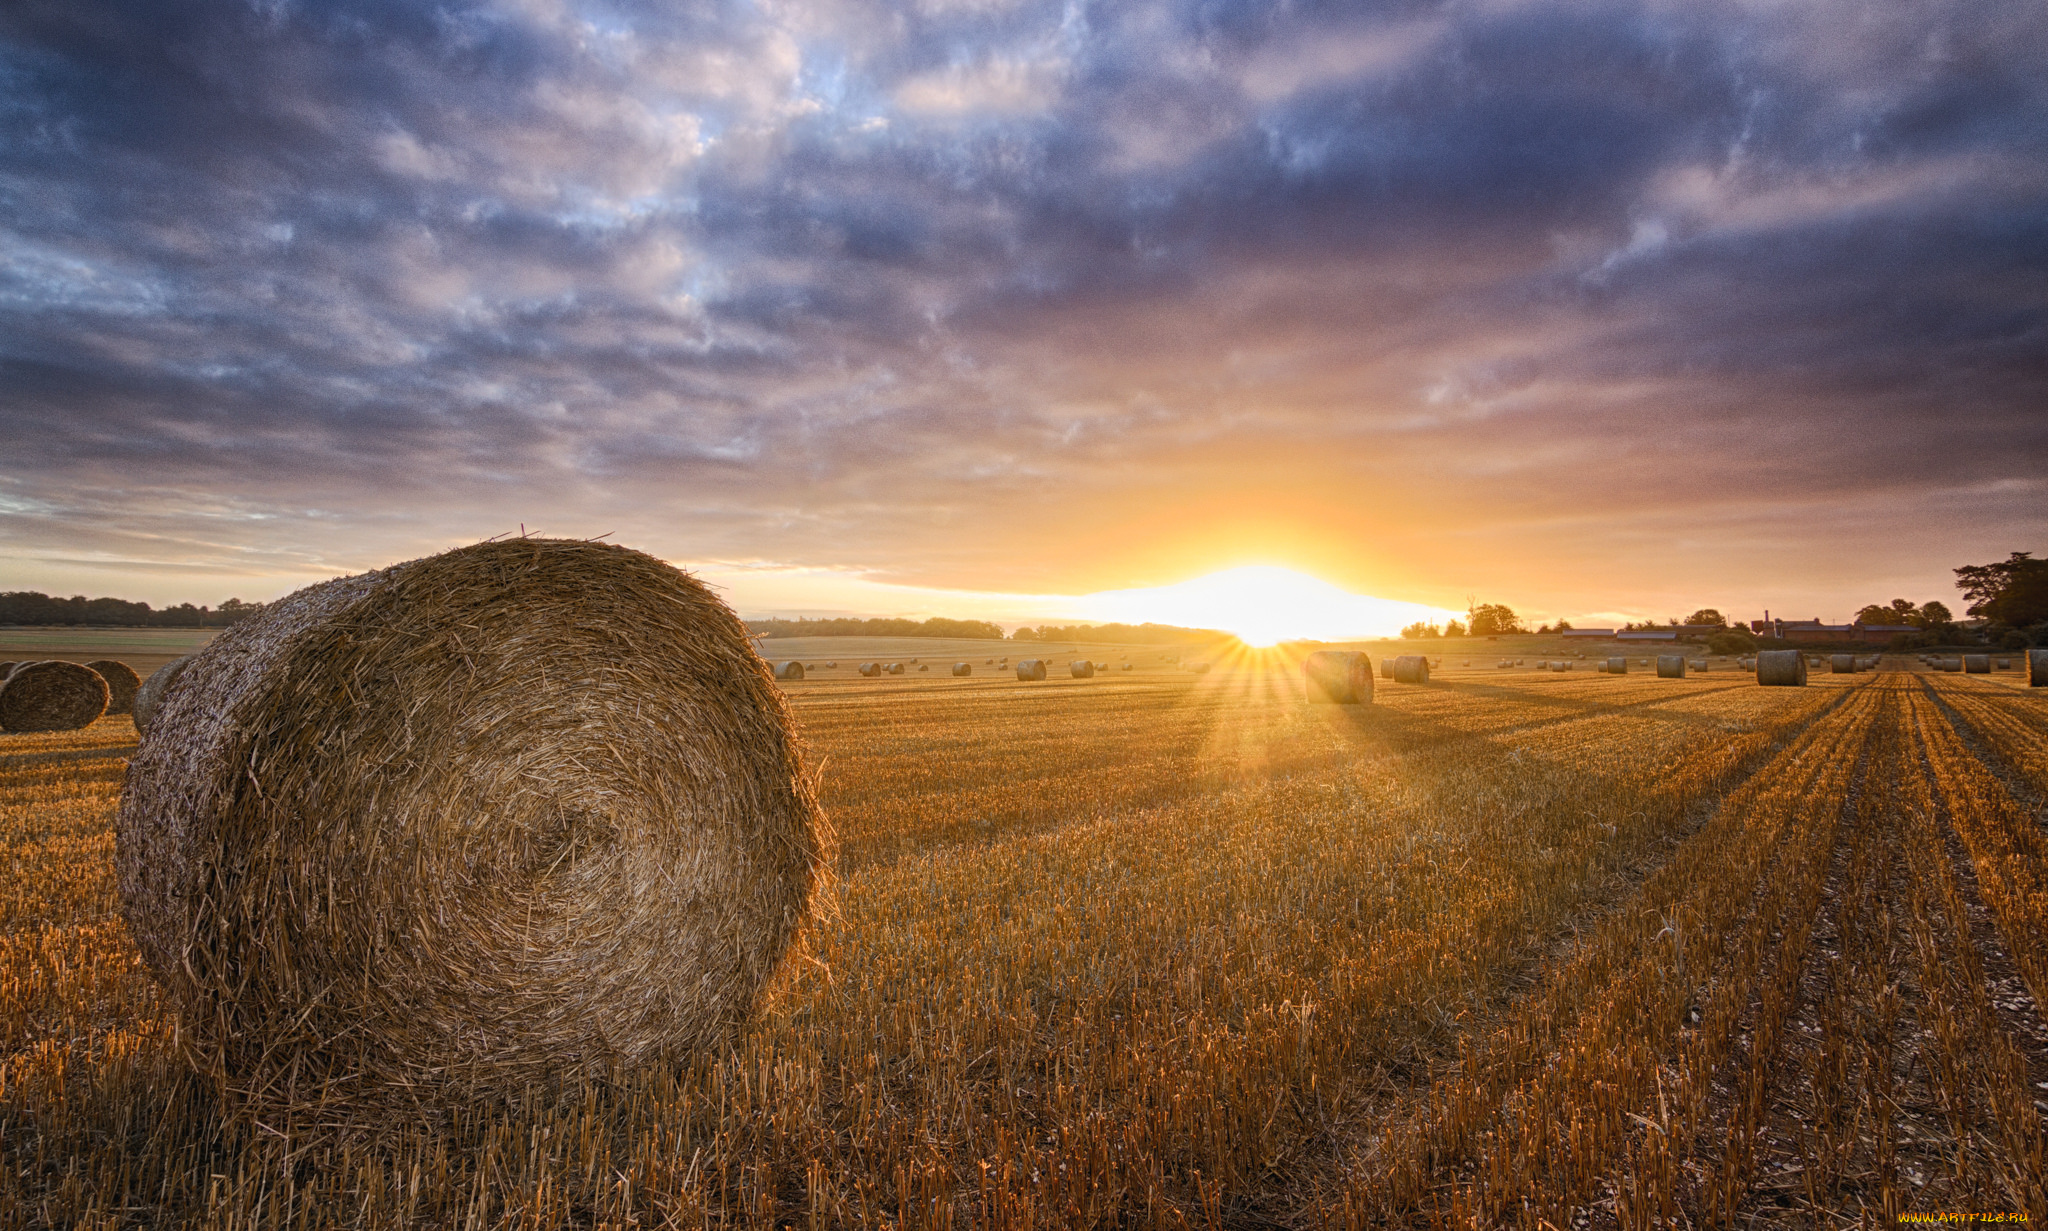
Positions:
{"x": 1160, "y": 949}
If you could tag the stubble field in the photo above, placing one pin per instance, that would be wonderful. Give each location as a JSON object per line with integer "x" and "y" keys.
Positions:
{"x": 1161, "y": 949}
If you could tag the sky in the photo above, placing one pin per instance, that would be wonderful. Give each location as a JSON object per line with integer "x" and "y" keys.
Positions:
{"x": 998, "y": 310}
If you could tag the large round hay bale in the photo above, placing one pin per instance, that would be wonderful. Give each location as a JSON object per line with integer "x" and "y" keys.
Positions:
{"x": 1338, "y": 677}
{"x": 1842, "y": 664}
{"x": 1617, "y": 666}
{"x": 1411, "y": 669}
{"x": 789, "y": 671}
{"x": 1030, "y": 669}
{"x": 151, "y": 694}
{"x": 963, "y": 669}
{"x": 1977, "y": 664}
{"x": 1081, "y": 669}
{"x": 51, "y": 696}
{"x": 1781, "y": 668}
{"x": 515, "y": 814}
{"x": 2037, "y": 668}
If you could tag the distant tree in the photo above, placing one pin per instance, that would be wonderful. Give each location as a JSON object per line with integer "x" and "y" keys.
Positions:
{"x": 1706, "y": 615}
{"x": 1874, "y": 614}
{"x": 1563, "y": 626}
{"x": 1493, "y": 620}
{"x": 1933, "y": 615}
{"x": 2013, "y": 591}
{"x": 1454, "y": 629}
{"x": 1420, "y": 629}
{"x": 1731, "y": 641}
{"x": 1905, "y": 611}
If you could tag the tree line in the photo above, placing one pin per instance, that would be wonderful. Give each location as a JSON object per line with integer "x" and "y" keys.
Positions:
{"x": 853, "y": 626}
{"x": 35, "y": 608}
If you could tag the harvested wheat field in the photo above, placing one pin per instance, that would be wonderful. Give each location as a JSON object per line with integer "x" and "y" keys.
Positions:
{"x": 1174, "y": 950}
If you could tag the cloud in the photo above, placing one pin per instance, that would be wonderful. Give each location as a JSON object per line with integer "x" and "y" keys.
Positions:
{"x": 1018, "y": 297}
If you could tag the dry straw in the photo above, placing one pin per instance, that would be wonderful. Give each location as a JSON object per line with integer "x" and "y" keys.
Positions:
{"x": 121, "y": 684}
{"x": 1670, "y": 666}
{"x": 1030, "y": 669}
{"x": 151, "y": 694}
{"x": 1781, "y": 668}
{"x": 521, "y": 813}
{"x": 51, "y": 696}
{"x": 1339, "y": 677}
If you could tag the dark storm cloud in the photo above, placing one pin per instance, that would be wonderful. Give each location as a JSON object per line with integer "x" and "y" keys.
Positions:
{"x": 793, "y": 281}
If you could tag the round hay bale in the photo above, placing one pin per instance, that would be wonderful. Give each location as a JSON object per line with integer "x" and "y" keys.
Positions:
{"x": 1617, "y": 666}
{"x": 1124, "y": 667}
{"x": 894, "y": 668}
{"x": 516, "y": 814}
{"x": 51, "y": 696}
{"x": 1670, "y": 666}
{"x": 1030, "y": 669}
{"x": 1387, "y": 667}
{"x": 1951, "y": 664}
{"x": 1781, "y": 668}
{"x": 2037, "y": 668}
{"x": 833, "y": 665}
{"x": 151, "y": 694}
{"x": 1082, "y": 669}
{"x": 962, "y": 669}
{"x": 869, "y": 670}
{"x": 789, "y": 671}
{"x": 1977, "y": 664}
{"x": 1411, "y": 669}
{"x": 1338, "y": 677}
{"x": 924, "y": 666}
{"x": 2005, "y": 664}
{"x": 1842, "y": 664}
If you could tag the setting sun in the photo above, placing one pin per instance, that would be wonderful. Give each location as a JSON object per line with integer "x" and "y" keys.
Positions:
{"x": 1264, "y": 604}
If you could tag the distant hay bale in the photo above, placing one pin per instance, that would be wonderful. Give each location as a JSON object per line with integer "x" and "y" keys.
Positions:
{"x": 2005, "y": 664}
{"x": 1670, "y": 666}
{"x": 1411, "y": 669}
{"x": 1199, "y": 668}
{"x": 1977, "y": 664}
{"x": 1842, "y": 664}
{"x": 2037, "y": 668}
{"x": 1030, "y": 669}
{"x": 1617, "y": 666}
{"x": 789, "y": 671}
{"x": 924, "y": 666}
{"x": 1387, "y": 667}
{"x": 894, "y": 668}
{"x": 151, "y": 695}
{"x": 1952, "y": 664}
{"x": 51, "y": 696}
{"x": 1338, "y": 677}
{"x": 962, "y": 669}
{"x": 1781, "y": 668}
{"x": 435, "y": 835}
{"x": 1560, "y": 665}
{"x": 833, "y": 665}
{"x": 1124, "y": 667}
{"x": 869, "y": 670}
{"x": 1082, "y": 670}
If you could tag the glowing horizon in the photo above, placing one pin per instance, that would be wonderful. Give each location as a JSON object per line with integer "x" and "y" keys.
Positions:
{"x": 1262, "y": 604}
